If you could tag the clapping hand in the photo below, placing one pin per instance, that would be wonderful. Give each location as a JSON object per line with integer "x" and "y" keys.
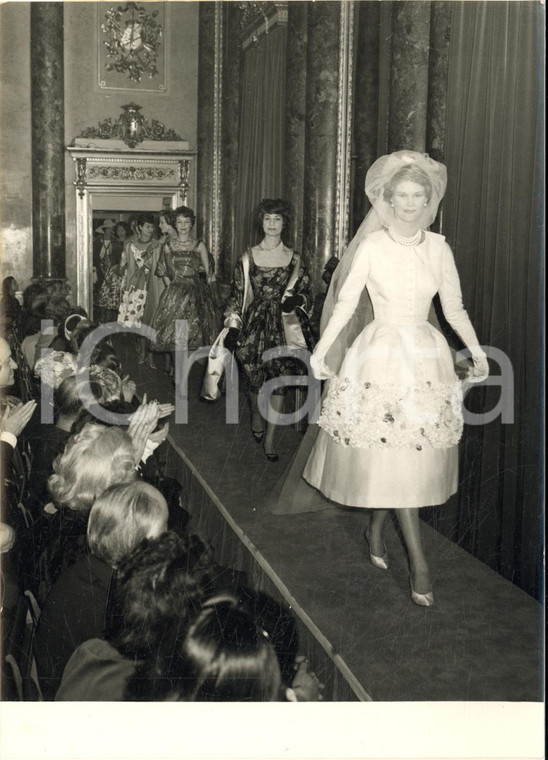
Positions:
{"x": 128, "y": 389}
{"x": 7, "y": 537}
{"x": 320, "y": 369}
{"x": 141, "y": 424}
{"x": 306, "y": 684}
{"x": 159, "y": 436}
{"x": 14, "y": 420}
{"x": 164, "y": 410}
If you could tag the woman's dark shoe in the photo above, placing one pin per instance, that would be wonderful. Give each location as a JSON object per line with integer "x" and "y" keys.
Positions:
{"x": 380, "y": 562}
{"x": 271, "y": 455}
{"x": 258, "y": 435}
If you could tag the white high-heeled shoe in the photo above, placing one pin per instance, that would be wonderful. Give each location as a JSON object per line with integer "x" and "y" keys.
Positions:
{"x": 380, "y": 562}
{"x": 423, "y": 600}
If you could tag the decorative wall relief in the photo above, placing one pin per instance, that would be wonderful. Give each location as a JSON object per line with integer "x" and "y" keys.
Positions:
{"x": 132, "y": 127}
{"x": 132, "y": 46}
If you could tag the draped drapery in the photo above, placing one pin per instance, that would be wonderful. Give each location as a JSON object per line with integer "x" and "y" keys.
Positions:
{"x": 262, "y": 128}
{"x": 492, "y": 218}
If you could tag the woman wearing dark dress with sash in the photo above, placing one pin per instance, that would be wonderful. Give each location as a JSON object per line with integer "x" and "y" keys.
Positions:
{"x": 269, "y": 281}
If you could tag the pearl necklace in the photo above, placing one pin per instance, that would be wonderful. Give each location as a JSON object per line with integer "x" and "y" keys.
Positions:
{"x": 264, "y": 248}
{"x": 407, "y": 241}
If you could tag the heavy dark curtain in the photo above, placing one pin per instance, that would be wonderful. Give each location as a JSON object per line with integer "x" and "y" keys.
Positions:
{"x": 262, "y": 128}
{"x": 492, "y": 218}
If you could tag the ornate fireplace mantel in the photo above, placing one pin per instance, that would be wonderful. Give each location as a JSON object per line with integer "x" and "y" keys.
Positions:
{"x": 110, "y": 177}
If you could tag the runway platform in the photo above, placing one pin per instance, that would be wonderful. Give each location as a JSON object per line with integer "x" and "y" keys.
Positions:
{"x": 365, "y": 638}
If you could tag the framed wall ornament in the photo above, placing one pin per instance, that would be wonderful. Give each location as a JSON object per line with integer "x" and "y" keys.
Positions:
{"x": 132, "y": 46}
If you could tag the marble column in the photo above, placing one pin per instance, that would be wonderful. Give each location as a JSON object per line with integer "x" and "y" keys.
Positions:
{"x": 48, "y": 140}
{"x": 366, "y": 106}
{"x": 294, "y": 169}
{"x": 409, "y": 76}
{"x": 321, "y": 135}
{"x": 205, "y": 142}
{"x": 440, "y": 35}
{"x": 231, "y": 62}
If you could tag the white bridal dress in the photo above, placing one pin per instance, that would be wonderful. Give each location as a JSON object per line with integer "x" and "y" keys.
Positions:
{"x": 392, "y": 416}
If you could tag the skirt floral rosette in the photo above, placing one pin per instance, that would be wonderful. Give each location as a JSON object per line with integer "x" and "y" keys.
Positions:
{"x": 367, "y": 414}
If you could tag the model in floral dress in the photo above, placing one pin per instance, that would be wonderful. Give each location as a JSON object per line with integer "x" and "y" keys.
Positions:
{"x": 156, "y": 286}
{"x": 111, "y": 289}
{"x": 184, "y": 267}
{"x": 135, "y": 267}
{"x": 277, "y": 284}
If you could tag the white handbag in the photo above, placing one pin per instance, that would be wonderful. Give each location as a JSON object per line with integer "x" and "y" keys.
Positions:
{"x": 215, "y": 368}
{"x": 217, "y": 358}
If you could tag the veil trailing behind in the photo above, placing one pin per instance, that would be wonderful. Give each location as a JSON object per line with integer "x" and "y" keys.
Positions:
{"x": 292, "y": 494}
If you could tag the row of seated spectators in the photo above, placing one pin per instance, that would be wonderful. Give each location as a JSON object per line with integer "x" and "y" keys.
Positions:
{"x": 133, "y": 604}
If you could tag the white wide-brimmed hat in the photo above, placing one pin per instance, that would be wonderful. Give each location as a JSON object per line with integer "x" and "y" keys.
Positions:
{"x": 107, "y": 224}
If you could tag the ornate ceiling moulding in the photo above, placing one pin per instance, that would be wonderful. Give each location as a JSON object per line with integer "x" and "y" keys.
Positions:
{"x": 131, "y": 127}
{"x": 258, "y": 18}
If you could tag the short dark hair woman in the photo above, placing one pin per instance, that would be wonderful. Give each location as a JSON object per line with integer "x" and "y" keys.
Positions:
{"x": 269, "y": 282}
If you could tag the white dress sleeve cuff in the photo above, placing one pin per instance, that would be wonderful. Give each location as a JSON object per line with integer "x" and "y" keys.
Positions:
{"x": 9, "y": 438}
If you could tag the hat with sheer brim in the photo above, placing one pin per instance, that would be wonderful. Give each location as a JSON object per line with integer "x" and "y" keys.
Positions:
{"x": 108, "y": 224}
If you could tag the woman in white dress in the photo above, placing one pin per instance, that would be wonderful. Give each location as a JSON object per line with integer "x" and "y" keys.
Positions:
{"x": 392, "y": 415}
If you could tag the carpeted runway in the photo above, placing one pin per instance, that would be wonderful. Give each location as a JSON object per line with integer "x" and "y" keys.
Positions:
{"x": 365, "y": 638}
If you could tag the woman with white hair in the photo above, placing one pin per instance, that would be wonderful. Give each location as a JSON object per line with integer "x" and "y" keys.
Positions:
{"x": 94, "y": 459}
{"x": 74, "y": 611}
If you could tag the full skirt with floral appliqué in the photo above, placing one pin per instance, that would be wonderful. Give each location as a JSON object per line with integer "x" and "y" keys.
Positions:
{"x": 390, "y": 422}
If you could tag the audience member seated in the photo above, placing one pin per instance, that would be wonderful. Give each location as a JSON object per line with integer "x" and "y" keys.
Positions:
{"x": 92, "y": 461}
{"x": 223, "y": 656}
{"x": 32, "y": 330}
{"x": 35, "y": 296}
{"x": 52, "y": 439}
{"x": 75, "y": 608}
{"x": 56, "y": 308}
{"x": 150, "y": 467}
{"x": 299, "y": 682}
{"x": 161, "y": 583}
{"x": 80, "y": 332}
{"x": 62, "y": 341}
{"x": 10, "y": 308}
{"x": 9, "y": 586}
{"x": 14, "y": 418}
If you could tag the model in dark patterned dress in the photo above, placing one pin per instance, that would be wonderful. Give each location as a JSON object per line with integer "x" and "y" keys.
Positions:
{"x": 185, "y": 269}
{"x": 278, "y": 284}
